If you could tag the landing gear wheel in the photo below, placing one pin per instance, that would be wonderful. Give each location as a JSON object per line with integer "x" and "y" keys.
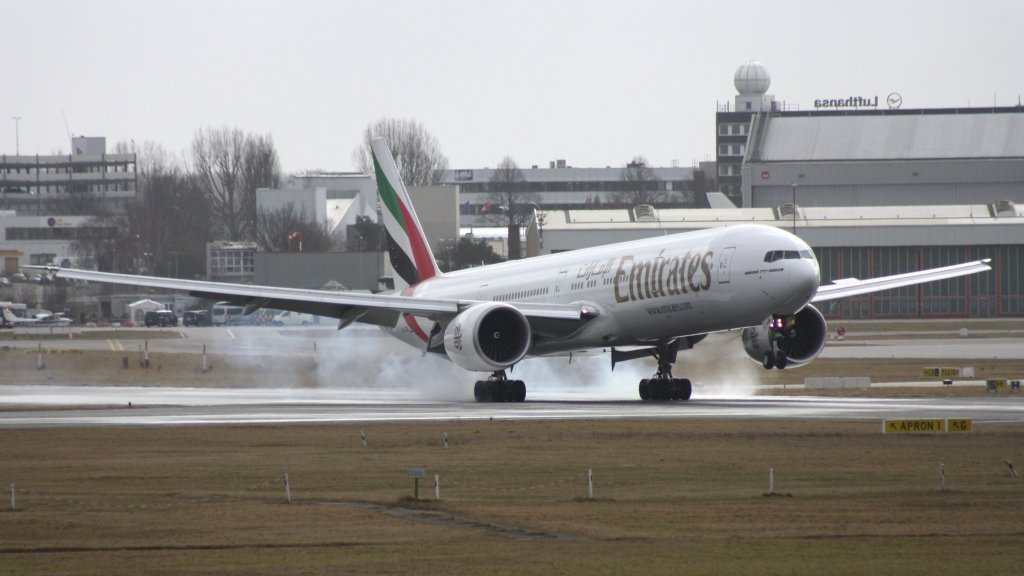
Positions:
{"x": 499, "y": 389}
{"x": 519, "y": 389}
{"x": 663, "y": 386}
{"x": 781, "y": 360}
{"x": 645, "y": 389}
{"x": 685, "y": 389}
{"x": 482, "y": 391}
{"x": 768, "y": 361}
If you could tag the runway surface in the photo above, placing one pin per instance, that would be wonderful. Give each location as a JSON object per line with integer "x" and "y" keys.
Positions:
{"x": 45, "y": 406}
{"x": 596, "y": 394}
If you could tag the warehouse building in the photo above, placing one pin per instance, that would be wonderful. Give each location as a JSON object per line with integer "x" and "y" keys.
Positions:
{"x": 864, "y": 150}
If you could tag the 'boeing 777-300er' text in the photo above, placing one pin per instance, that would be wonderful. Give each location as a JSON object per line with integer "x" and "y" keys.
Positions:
{"x": 645, "y": 298}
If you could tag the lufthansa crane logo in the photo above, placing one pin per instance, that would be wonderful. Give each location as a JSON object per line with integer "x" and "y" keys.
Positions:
{"x": 894, "y": 101}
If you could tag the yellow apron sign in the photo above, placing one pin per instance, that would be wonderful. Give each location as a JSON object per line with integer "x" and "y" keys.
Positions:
{"x": 958, "y": 425}
{"x": 941, "y": 372}
{"x": 926, "y": 426}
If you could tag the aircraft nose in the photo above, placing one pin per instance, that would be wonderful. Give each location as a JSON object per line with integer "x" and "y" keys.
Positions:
{"x": 803, "y": 285}
{"x": 809, "y": 277}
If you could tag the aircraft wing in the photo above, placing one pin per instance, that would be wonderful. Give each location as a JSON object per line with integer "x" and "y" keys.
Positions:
{"x": 348, "y": 307}
{"x": 853, "y": 287}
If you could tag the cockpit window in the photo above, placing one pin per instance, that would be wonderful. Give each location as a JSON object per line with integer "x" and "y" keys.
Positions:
{"x": 788, "y": 255}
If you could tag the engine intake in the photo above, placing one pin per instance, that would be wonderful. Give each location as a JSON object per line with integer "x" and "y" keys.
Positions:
{"x": 487, "y": 337}
{"x": 800, "y": 339}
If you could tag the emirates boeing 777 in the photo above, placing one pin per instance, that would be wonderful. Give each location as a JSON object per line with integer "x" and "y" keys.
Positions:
{"x": 640, "y": 299}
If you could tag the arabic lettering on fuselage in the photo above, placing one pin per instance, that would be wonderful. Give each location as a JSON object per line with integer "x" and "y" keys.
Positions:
{"x": 646, "y": 279}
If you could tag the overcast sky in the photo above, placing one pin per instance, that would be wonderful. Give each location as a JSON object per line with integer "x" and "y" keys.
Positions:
{"x": 593, "y": 82}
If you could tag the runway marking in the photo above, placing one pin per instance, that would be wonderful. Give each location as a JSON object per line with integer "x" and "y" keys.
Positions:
{"x": 115, "y": 345}
{"x": 232, "y": 334}
{"x": 182, "y": 334}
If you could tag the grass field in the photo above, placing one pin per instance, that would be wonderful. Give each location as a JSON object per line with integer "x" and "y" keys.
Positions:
{"x": 670, "y": 498}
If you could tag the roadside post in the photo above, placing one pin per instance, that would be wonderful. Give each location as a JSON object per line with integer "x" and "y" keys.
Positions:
{"x": 416, "y": 474}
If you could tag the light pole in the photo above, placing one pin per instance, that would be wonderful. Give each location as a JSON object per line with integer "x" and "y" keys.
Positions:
{"x": 17, "y": 143}
{"x": 794, "y": 185}
{"x": 540, "y": 219}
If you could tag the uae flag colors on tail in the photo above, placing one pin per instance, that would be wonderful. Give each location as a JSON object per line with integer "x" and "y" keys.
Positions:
{"x": 407, "y": 246}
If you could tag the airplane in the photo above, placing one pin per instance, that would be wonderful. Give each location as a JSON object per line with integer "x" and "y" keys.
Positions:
{"x": 45, "y": 320}
{"x": 644, "y": 298}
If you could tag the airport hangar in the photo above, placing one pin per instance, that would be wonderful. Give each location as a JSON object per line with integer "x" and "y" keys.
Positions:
{"x": 874, "y": 191}
{"x": 849, "y": 242}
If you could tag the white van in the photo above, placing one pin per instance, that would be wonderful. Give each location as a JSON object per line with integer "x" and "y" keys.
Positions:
{"x": 226, "y": 314}
{"x": 288, "y": 318}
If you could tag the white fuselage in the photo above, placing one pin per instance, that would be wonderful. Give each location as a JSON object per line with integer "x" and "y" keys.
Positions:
{"x": 648, "y": 291}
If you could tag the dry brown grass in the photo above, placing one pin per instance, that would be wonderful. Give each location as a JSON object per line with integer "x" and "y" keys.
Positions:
{"x": 671, "y": 497}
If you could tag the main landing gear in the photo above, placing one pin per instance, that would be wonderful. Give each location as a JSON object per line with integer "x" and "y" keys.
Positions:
{"x": 498, "y": 388}
{"x": 663, "y": 386}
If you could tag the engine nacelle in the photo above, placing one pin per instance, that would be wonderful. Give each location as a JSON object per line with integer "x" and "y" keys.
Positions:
{"x": 799, "y": 338}
{"x": 487, "y": 337}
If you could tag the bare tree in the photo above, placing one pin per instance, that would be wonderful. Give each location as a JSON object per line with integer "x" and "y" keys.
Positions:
{"x": 416, "y": 151}
{"x": 260, "y": 169}
{"x": 510, "y": 201}
{"x": 639, "y": 185}
{"x": 365, "y": 235}
{"x": 79, "y": 201}
{"x": 466, "y": 252}
{"x": 104, "y": 244}
{"x": 510, "y": 197}
{"x": 230, "y": 166}
{"x": 285, "y": 230}
{"x": 170, "y": 219}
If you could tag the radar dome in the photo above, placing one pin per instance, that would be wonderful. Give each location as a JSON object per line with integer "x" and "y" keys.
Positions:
{"x": 752, "y": 79}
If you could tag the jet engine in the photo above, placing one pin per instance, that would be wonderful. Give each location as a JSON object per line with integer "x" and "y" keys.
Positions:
{"x": 487, "y": 337}
{"x": 787, "y": 341}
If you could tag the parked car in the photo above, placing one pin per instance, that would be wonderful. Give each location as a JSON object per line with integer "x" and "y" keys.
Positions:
{"x": 196, "y": 318}
{"x": 227, "y": 314}
{"x": 161, "y": 318}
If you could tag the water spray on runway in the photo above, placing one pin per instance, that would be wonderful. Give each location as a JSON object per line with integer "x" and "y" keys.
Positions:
{"x": 363, "y": 358}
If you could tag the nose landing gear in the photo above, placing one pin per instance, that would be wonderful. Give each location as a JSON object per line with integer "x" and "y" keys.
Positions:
{"x": 780, "y": 328}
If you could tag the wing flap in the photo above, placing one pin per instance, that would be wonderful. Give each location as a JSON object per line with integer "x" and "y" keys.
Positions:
{"x": 378, "y": 309}
{"x": 844, "y": 288}
{"x": 296, "y": 299}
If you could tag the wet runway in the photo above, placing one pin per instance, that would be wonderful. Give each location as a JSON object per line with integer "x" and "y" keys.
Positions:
{"x": 593, "y": 394}
{"x": 45, "y": 406}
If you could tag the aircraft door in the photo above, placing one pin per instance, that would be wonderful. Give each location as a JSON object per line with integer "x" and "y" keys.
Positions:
{"x": 559, "y": 285}
{"x": 724, "y": 263}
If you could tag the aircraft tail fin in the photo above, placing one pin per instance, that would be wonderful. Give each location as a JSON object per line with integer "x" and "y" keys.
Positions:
{"x": 408, "y": 248}
{"x": 719, "y": 200}
{"x": 9, "y": 317}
